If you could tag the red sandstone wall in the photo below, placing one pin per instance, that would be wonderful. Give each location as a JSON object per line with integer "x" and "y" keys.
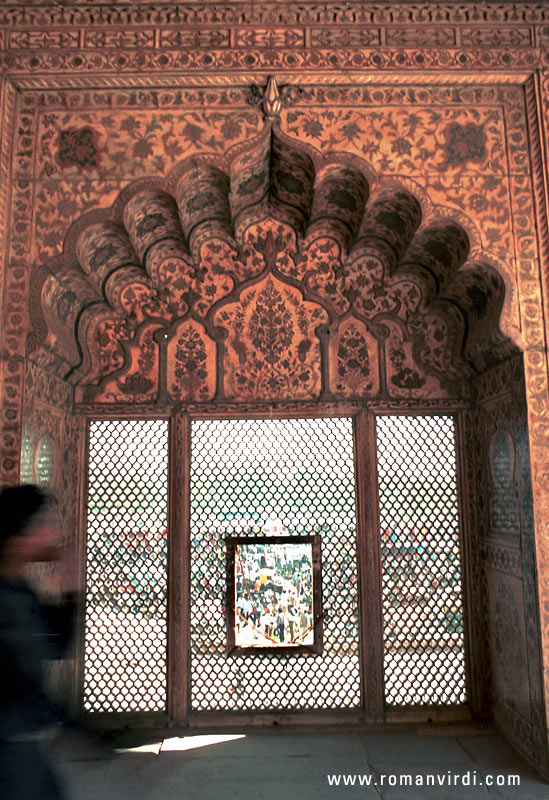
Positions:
{"x": 451, "y": 98}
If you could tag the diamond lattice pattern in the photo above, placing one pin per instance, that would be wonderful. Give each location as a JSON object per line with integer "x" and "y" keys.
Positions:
{"x": 125, "y": 644}
{"x": 424, "y": 655}
{"x": 291, "y": 476}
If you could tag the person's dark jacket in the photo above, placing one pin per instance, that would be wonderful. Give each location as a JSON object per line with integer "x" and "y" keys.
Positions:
{"x": 31, "y": 632}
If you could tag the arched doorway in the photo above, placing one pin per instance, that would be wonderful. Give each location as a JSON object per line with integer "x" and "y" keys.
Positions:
{"x": 281, "y": 282}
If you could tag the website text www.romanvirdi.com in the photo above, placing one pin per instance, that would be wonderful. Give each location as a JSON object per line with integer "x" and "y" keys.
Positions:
{"x": 442, "y": 779}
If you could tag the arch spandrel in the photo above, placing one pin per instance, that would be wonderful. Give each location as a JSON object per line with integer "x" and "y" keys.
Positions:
{"x": 137, "y": 381}
{"x": 405, "y": 377}
{"x": 441, "y": 331}
{"x": 102, "y": 347}
{"x": 282, "y": 233}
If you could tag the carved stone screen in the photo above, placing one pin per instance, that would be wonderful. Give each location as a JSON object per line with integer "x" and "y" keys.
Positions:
{"x": 125, "y": 640}
{"x": 287, "y": 477}
{"x": 424, "y": 657}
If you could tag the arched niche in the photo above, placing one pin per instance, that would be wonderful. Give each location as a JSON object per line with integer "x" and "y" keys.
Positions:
{"x": 277, "y": 276}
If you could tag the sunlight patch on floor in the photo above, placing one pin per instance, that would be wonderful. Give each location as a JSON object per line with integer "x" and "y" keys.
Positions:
{"x": 194, "y": 742}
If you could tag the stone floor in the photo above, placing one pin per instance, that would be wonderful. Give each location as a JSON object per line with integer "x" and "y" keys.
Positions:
{"x": 295, "y": 765}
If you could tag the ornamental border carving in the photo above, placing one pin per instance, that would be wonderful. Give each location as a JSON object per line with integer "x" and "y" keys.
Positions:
{"x": 269, "y": 61}
{"x": 11, "y": 370}
{"x": 176, "y": 80}
{"x": 272, "y": 14}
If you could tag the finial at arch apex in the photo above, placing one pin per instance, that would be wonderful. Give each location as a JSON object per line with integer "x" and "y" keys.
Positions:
{"x": 271, "y": 97}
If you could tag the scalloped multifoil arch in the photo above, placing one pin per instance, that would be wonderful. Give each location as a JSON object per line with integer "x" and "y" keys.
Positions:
{"x": 273, "y": 273}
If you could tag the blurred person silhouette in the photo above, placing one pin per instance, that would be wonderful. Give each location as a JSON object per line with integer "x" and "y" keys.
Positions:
{"x": 31, "y": 632}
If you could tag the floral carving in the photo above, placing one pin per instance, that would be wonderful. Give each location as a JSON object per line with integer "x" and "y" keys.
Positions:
{"x": 191, "y": 364}
{"x": 271, "y": 326}
{"x": 137, "y": 381}
{"x": 143, "y": 141}
{"x": 149, "y": 223}
{"x": 354, "y": 361}
{"x": 190, "y": 356}
{"x": 141, "y": 379}
{"x": 108, "y": 337}
{"x": 352, "y": 354}
{"x": 136, "y": 385}
{"x": 404, "y": 376}
{"x": 413, "y": 139}
{"x": 272, "y": 350}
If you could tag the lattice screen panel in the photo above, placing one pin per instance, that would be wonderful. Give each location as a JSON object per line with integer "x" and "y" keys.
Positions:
{"x": 421, "y": 563}
{"x": 125, "y": 644}
{"x": 293, "y": 476}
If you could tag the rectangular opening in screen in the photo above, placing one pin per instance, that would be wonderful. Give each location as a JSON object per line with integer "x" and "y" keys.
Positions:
{"x": 274, "y": 594}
